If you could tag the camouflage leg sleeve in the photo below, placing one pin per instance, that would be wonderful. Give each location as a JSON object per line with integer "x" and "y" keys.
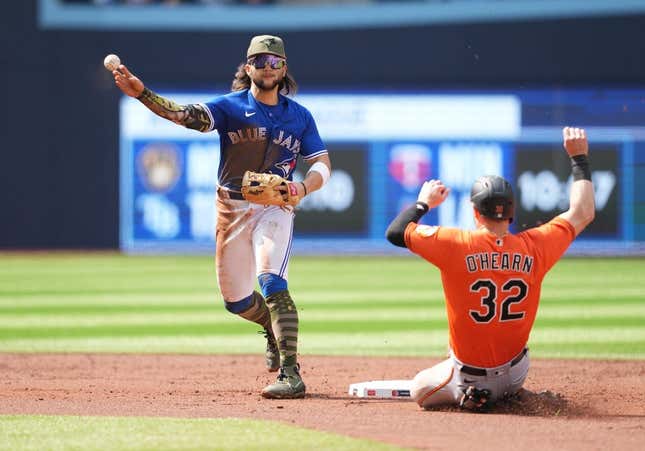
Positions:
{"x": 284, "y": 319}
{"x": 258, "y": 312}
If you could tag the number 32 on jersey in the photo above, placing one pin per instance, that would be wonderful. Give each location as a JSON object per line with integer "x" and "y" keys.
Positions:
{"x": 512, "y": 291}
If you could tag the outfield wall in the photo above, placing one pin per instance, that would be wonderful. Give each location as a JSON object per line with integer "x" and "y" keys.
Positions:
{"x": 383, "y": 146}
{"x": 59, "y": 178}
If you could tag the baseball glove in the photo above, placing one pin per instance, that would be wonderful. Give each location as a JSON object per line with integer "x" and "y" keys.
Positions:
{"x": 269, "y": 189}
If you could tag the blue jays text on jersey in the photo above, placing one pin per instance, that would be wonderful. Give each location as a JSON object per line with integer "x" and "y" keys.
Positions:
{"x": 260, "y": 134}
{"x": 261, "y": 138}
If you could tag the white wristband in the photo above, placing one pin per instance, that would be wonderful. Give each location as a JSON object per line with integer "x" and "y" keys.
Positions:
{"x": 322, "y": 169}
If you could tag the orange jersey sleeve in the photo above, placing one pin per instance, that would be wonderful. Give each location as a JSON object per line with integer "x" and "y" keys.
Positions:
{"x": 491, "y": 285}
{"x": 551, "y": 240}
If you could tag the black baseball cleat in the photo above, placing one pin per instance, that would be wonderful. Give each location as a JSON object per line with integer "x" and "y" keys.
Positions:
{"x": 477, "y": 400}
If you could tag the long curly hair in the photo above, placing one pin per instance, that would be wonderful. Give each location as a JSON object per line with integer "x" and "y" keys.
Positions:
{"x": 242, "y": 81}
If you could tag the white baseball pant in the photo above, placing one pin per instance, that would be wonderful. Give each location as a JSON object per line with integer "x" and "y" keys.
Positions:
{"x": 444, "y": 383}
{"x": 251, "y": 239}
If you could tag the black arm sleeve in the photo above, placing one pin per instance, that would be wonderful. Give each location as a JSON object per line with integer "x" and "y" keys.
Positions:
{"x": 395, "y": 233}
{"x": 580, "y": 168}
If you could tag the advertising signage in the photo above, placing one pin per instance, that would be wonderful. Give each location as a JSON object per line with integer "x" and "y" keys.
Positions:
{"x": 543, "y": 179}
{"x": 383, "y": 147}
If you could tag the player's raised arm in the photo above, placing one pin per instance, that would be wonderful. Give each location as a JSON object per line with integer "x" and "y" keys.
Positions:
{"x": 190, "y": 116}
{"x": 581, "y": 199}
{"x": 431, "y": 195}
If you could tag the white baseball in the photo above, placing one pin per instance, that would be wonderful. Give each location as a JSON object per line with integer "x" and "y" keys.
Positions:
{"x": 111, "y": 62}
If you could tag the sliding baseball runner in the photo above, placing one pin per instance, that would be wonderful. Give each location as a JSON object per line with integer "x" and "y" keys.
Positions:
{"x": 491, "y": 280}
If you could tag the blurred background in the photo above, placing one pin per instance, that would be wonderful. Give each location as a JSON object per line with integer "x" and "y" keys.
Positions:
{"x": 401, "y": 91}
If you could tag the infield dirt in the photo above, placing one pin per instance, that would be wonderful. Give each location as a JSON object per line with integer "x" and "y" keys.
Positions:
{"x": 569, "y": 404}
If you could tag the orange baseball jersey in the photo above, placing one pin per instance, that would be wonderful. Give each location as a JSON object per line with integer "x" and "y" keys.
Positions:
{"x": 491, "y": 285}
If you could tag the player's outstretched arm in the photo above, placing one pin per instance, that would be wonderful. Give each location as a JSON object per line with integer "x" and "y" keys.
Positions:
{"x": 190, "y": 116}
{"x": 431, "y": 195}
{"x": 581, "y": 199}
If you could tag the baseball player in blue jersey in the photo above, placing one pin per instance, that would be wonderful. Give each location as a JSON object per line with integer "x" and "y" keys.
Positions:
{"x": 263, "y": 131}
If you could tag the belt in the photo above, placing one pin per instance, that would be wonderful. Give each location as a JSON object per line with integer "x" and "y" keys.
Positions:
{"x": 227, "y": 194}
{"x": 482, "y": 372}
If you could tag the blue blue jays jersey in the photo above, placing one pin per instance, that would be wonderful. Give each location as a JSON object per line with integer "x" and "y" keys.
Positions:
{"x": 261, "y": 138}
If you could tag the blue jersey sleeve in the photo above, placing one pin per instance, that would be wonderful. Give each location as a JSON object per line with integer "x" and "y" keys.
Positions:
{"x": 312, "y": 144}
{"x": 217, "y": 110}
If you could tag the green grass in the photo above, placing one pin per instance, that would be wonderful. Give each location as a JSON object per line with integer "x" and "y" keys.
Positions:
{"x": 158, "y": 434}
{"x": 592, "y": 308}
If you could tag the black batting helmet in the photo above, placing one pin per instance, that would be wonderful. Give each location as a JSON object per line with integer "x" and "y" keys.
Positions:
{"x": 492, "y": 196}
